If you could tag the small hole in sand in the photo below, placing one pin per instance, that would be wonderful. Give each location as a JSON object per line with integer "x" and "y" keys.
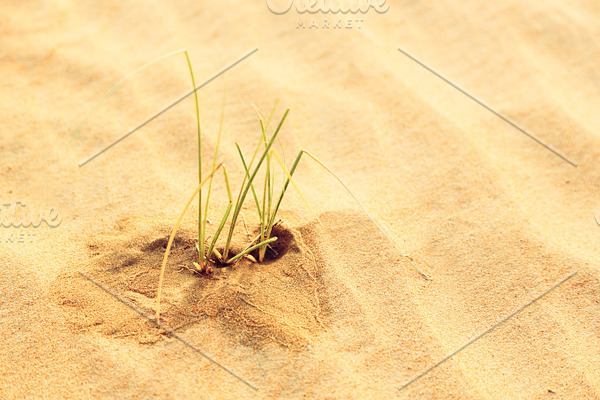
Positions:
{"x": 280, "y": 247}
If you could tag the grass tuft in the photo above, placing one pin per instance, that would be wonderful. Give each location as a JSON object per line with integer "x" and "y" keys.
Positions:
{"x": 264, "y": 157}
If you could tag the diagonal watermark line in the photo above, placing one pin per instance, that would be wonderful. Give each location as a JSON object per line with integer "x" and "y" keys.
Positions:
{"x": 152, "y": 118}
{"x": 169, "y": 331}
{"x": 502, "y": 117}
{"x": 476, "y": 338}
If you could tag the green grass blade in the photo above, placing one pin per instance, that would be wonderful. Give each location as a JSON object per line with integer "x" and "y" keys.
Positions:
{"x": 269, "y": 180}
{"x": 200, "y": 224}
{"x": 227, "y": 185}
{"x": 218, "y": 232}
{"x": 258, "y": 146}
{"x": 247, "y": 176}
{"x": 286, "y": 184}
{"x": 265, "y": 205}
{"x": 271, "y": 189}
{"x": 266, "y": 189}
{"x": 225, "y": 216}
{"x": 243, "y": 253}
{"x": 260, "y": 213}
{"x": 288, "y": 174}
{"x": 209, "y": 189}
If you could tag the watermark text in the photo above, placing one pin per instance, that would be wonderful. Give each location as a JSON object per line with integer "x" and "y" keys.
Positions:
{"x": 329, "y": 11}
{"x": 16, "y": 215}
{"x": 20, "y": 224}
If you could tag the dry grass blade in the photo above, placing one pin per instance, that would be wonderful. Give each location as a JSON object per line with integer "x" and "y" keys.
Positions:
{"x": 172, "y": 238}
{"x": 385, "y": 234}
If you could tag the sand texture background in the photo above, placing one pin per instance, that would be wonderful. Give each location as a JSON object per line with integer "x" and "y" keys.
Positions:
{"x": 495, "y": 218}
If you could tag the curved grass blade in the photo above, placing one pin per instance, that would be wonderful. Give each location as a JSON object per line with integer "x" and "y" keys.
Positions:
{"x": 113, "y": 89}
{"x": 291, "y": 171}
{"x": 172, "y": 238}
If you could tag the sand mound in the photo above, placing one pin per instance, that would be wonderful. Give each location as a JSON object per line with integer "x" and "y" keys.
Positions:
{"x": 276, "y": 301}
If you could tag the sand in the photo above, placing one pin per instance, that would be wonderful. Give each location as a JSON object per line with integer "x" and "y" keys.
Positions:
{"x": 495, "y": 218}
